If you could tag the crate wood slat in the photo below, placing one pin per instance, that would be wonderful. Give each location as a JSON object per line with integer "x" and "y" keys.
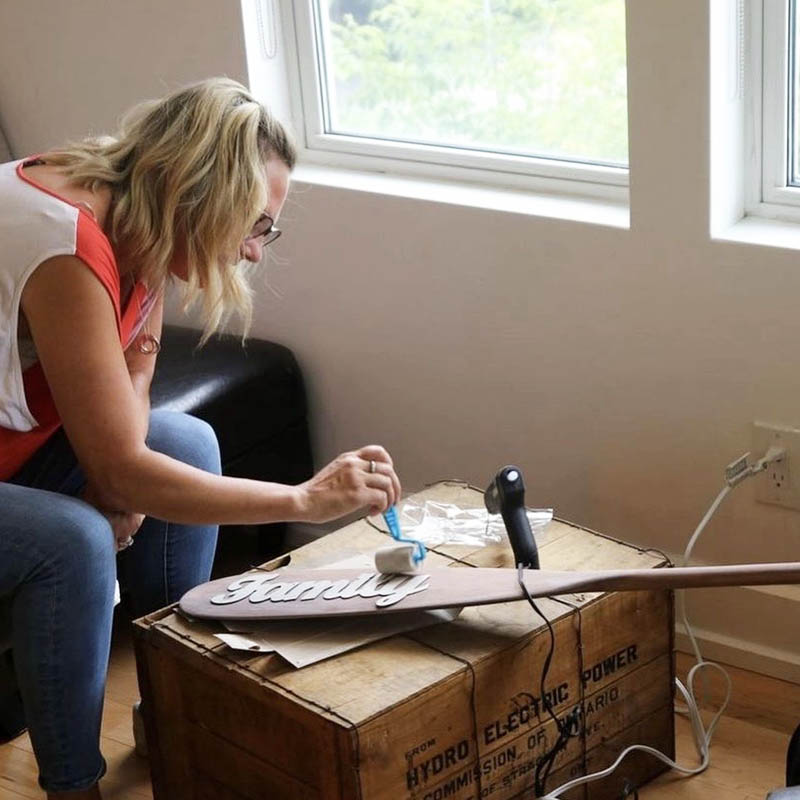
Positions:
{"x": 443, "y": 712}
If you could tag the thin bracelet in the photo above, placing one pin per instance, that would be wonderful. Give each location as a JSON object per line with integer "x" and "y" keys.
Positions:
{"x": 148, "y": 344}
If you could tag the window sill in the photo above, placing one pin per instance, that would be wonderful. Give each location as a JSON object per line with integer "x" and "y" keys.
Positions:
{"x": 762, "y": 231}
{"x": 590, "y": 210}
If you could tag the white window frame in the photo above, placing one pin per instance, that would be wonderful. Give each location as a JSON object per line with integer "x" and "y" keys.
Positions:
{"x": 767, "y": 118}
{"x": 402, "y": 158}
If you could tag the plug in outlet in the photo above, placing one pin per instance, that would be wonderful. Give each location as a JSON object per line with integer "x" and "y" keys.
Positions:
{"x": 778, "y": 484}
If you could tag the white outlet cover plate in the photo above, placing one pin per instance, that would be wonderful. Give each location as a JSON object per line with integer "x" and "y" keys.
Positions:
{"x": 779, "y": 484}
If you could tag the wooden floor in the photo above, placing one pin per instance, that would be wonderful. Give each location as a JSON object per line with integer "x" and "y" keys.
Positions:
{"x": 128, "y": 775}
{"x": 748, "y": 751}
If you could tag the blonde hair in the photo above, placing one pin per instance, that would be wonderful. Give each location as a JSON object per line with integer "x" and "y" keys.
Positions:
{"x": 187, "y": 171}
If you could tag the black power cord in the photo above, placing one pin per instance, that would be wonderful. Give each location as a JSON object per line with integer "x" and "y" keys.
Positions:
{"x": 629, "y": 790}
{"x": 570, "y": 725}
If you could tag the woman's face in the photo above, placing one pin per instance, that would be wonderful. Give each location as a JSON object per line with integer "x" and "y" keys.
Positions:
{"x": 278, "y": 183}
{"x": 250, "y": 249}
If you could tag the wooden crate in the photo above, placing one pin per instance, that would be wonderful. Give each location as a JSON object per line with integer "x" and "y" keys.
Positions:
{"x": 454, "y": 711}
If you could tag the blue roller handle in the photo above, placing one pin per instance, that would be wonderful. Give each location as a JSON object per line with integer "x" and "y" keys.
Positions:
{"x": 393, "y": 524}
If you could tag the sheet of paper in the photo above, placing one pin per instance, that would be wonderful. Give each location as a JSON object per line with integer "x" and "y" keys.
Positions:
{"x": 244, "y": 642}
{"x": 304, "y": 642}
{"x": 360, "y": 561}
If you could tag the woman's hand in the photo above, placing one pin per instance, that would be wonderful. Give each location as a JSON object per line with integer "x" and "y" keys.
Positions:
{"x": 124, "y": 524}
{"x": 350, "y": 483}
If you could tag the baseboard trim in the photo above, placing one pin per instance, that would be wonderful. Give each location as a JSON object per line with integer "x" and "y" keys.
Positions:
{"x": 752, "y": 656}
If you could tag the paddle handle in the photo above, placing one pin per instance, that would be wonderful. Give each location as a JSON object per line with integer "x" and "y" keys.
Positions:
{"x": 675, "y": 578}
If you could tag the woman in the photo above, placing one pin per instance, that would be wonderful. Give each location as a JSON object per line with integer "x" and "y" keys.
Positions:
{"x": 91, "y": 234}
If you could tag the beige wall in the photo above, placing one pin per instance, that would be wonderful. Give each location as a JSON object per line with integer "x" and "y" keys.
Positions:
{"x": 621, "y": 369}
{"x": 68, "y": 67}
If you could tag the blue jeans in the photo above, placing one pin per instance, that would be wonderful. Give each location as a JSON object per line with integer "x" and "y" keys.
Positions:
{"x": 58, "y": 565}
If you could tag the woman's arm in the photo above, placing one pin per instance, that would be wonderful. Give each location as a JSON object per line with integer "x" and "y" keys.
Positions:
{"x": 74, "y": 329}
{"x": 141, "y": 367}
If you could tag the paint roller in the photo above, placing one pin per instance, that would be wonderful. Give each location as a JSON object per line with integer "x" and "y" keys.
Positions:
{"x": 404, "y": 557}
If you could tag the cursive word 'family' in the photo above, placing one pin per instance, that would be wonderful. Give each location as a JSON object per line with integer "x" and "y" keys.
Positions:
{"x": 259, "y": 587}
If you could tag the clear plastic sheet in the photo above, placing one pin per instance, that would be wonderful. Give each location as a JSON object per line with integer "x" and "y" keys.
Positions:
{"x": 435, "y": 523}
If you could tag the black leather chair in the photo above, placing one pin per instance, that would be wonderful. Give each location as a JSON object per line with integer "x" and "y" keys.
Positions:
{"x": 254, "y": 398}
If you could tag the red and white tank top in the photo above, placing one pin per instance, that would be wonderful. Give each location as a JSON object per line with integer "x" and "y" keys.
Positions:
{"x": 36, "y": 224}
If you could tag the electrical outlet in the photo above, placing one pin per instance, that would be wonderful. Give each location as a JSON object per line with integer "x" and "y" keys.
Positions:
{"x": 779, "y": 483}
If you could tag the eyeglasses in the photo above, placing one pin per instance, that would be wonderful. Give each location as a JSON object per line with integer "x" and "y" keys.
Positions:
{"x": 265, "y": 230}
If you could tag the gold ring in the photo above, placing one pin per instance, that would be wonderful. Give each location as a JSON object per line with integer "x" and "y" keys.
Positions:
{"x": 373, "y": 467}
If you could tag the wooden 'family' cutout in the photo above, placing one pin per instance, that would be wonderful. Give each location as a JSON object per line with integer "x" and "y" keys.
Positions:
{"x": 302, "y": 593}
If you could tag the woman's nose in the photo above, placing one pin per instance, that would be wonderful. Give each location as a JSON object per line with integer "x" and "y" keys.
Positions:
{"x": 252, "y": 250}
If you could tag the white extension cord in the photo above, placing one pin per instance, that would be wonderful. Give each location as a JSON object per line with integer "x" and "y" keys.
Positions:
{"x": 735, "y": 473}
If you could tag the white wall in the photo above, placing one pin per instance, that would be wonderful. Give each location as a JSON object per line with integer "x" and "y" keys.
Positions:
{"x": 621, "y": 369}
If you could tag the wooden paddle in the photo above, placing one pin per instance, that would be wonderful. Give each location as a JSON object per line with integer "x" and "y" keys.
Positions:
{"x": 299, "y": 593}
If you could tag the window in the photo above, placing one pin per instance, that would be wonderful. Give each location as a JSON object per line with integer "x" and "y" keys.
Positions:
{"x": 776, "y": 67}
{"x": 501, "y": 88}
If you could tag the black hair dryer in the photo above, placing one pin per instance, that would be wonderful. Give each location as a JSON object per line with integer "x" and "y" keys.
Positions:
{"x": 506, "y": 495}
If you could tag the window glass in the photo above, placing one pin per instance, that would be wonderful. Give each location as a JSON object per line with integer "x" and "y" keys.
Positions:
{"x": 542, "y": 78}
{"x": 793, "y": 145}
